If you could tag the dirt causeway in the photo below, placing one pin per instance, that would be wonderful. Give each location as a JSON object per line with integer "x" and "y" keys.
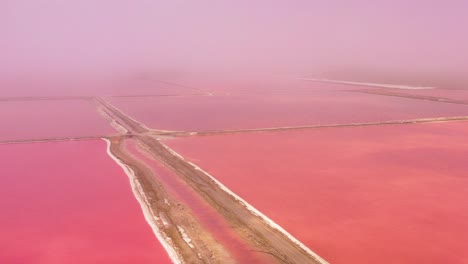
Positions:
{"x": 192, "y": 243}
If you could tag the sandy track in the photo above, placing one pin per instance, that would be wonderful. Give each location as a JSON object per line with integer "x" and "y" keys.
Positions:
{"x": 177, "y": 224}
{"x": 130, "y": 125}
{"x": 169, "y": 134}
{"x": 411, "y": 96}
{"x": 177, "y": 228}
{"x": 378, "y": 85}
{"x": 256, "y": 230}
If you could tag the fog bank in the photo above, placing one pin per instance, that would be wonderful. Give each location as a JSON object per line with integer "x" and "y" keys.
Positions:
{"x": 105, "y": 38}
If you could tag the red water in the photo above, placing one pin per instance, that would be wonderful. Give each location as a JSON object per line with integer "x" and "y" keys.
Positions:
{"x": 387, "y": 194}
{"x": 68, "y": 202}
{"x": 211, "y": 220}
{"x": 278, "y": 110}
{"x": 42, "y": 119}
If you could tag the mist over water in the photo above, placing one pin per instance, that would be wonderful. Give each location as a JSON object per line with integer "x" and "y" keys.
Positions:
{"x": 107, "y": 38}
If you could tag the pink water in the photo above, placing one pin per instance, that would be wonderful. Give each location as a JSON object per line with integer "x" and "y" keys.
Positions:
{"x": 459, "y": 95}
{"x": 258, "y": 85}
{"x": 387, "y": 194}
{"x": 69, "y": 202}
{"x": 75, "y": 87}
{"x": 278, "y": 110}
{"x": 45, "y": 119}
{"x": 207, "y": 216}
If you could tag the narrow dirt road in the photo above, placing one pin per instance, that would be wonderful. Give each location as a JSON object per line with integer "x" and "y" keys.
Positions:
{"x": 259, "y": 234}
{"x": 176, "y": 226}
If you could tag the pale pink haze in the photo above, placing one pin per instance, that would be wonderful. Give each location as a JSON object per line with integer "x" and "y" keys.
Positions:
{"x": 104, "y": 37}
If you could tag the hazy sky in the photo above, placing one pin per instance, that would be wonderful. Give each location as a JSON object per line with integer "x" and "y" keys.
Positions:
{"x": 95, "y": 36}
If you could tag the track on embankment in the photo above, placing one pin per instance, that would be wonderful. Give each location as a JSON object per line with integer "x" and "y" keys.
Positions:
{"x": 178, "y": 225}
{"x": 411, "y": 96}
